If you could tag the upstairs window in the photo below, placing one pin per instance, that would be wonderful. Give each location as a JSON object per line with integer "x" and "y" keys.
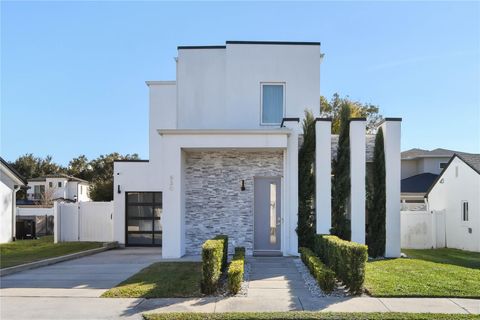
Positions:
{"x": 443, "y": 165}
{"x": 273, "y": 103}
{"x": 464, "y": 211}
{"x": 50, "y": 184}
{"x": 59, "y": 184}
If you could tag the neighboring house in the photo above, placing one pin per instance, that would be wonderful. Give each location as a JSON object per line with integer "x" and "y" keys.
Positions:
{"x": 420, "y": 168}
{"x": 58, "y": 187}
{"x": 10, "y": 182}
{"x": 223, "y": 154}
{"x": 456, "y": 195}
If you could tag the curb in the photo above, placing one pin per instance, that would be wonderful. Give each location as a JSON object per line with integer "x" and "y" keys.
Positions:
{"x": 47, "y": 262}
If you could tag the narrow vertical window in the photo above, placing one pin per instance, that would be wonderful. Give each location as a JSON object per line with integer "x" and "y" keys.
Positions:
{"x": 273, "y": 103}
{"x": 273, "y": 213}
{"x": 464, "y": 210}
{"x": 59, "y": 184}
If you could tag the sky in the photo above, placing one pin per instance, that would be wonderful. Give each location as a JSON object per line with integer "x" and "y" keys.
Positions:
{"x": 73, "y": 73}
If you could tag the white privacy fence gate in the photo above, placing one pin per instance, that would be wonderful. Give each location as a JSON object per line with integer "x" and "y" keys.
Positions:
{"x": 83, "y": 221}
{"x": 423, "y": 229}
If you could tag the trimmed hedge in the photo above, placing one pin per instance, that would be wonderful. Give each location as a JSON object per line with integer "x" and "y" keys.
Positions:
{"x": 236, "y": 270}
{"x": 213, "y": 257}
{"x": 325, "y": 276}
{"x": 223, "y": 238}
{"x": 347, "y": 259}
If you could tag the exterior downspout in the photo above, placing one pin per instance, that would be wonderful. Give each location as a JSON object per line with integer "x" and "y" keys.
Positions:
{"x": 14, "y": 211}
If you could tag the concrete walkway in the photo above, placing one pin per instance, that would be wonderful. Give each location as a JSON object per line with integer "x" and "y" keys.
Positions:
{"x": 70, "y": 290}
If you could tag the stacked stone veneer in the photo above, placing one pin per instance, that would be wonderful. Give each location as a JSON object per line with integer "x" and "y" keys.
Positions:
{"x": 214, "y": 203}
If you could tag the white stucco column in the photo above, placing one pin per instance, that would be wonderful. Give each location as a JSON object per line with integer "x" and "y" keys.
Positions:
{"x": 56, "y": 223}
{"x": 173, "y": 211}
{"x": 392, "y": 135}
{"x": 357, "y": 178}
{"x": 323, "y": 171}
{"x": 291, "y": 188}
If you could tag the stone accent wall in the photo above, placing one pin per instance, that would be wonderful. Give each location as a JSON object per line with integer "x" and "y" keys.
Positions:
{"x": 214, "y": 203}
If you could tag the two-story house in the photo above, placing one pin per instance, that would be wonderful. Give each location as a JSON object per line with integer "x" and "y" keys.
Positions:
{"x": 223, "y": 154}
{"x": 58, "y": 187}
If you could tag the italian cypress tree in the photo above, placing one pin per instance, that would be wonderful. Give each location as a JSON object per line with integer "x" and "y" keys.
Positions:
{"x": 376, "y": 201}
{"x": 306, "y": 184}
{"x": 341, "y": 178}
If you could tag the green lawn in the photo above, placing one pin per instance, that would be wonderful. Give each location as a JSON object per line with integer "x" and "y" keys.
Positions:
{"x": 161, "y": 280}
{"x": 301, "y": 315}
{"x": 426, "y": 273}
{"x": 24, "y": 251}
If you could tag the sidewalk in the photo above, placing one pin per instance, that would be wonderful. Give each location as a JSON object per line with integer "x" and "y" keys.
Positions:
{"x": 105, "y": 308}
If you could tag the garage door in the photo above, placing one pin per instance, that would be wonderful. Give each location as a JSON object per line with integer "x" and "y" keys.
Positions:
{"x": 143, "y": 216}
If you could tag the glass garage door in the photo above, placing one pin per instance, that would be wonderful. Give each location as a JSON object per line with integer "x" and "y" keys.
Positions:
{"x": 144, "y": 212}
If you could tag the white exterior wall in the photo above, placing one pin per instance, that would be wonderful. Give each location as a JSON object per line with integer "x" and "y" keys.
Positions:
{"x": 449, "y": 195}
{"x": 6, "y": 207}
{"x": 83, "y": 191}
{"x": 409, "y": 168}
{"x": 221, "y": 88}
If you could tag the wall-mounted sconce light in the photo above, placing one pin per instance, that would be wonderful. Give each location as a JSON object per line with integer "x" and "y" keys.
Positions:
{"x": 243, "y": 185}
{"x": 118, "y": 189}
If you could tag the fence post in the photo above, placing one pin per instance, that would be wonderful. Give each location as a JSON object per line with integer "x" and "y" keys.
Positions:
{"x": 56, "y": 223}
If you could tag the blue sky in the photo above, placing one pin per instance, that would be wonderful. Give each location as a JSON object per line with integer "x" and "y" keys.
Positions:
{"x": 72, "y": 73}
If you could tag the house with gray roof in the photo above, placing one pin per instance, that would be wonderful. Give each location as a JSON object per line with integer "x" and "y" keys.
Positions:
{"x": 455, "y": 194}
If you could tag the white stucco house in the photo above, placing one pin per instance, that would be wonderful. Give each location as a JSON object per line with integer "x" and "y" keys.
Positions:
{"x": 223, "y": 154}
{"x": 10, "y": 182}
{"x": 455, "y": 196}
{"x": 58, "y": 187}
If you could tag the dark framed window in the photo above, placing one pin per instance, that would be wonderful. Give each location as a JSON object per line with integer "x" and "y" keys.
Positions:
{"x": 143, "y": 219}
{"x": 443, "y": 165}
{"x": 50, "y": 184}
{"x": 465, "y": 211}
{"x": 59, "y": 184}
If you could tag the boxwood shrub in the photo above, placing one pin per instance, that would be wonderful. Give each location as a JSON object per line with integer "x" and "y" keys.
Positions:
{"x": 347, "y": 259}
{"x": 213, "y": 255}
{"x": 325, "y": 276}
{"x": 224, "y": 239}
{"x": 236, "y": 270}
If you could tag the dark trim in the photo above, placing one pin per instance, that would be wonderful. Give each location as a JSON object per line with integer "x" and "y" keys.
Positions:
{"x": 389, "y": 119}
{"x": 323, "y": 119}
{"x": 358, "y": 119}
{"x": 200, "y": 47}
{"x": 295, "y": 43}
{"x": 288, "y": 119}
{"x": 124, "y": 160}
{"x": 15, "y": 172}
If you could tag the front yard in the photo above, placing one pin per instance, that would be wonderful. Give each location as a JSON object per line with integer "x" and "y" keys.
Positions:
{"x": 25, "y": 251}
{"x": 426, "y": 273}
{"x": 161, "y": 280}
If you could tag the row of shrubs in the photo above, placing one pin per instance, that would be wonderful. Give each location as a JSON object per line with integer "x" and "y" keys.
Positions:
{"x": 214, "y": 261}
{"x": 347, "y": 259}
{"x": 325, "y": 276}
{"x": 236, "y": 270}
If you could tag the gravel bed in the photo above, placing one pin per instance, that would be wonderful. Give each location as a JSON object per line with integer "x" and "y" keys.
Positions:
{"x": 312, "y": 284}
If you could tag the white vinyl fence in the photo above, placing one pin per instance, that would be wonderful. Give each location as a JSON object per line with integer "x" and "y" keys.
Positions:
{"x": 84, "y": 221}
{"x": 422, "y": 229}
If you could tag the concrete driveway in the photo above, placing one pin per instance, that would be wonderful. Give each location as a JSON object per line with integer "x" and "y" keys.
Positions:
{"x": 84, "y": 277}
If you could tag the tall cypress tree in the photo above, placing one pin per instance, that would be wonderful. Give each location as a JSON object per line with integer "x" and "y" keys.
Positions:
{"x": 306, "y": 183}
{"x": 376, "y": 200}
{"x": 341, "y": 178}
